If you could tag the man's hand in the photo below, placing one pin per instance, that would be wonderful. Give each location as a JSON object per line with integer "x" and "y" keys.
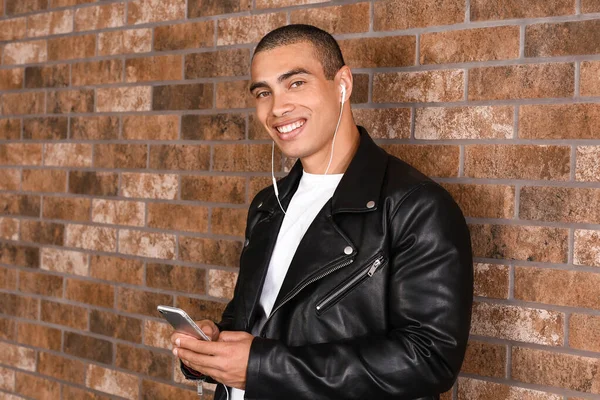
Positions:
{"x": 225, "y": 360}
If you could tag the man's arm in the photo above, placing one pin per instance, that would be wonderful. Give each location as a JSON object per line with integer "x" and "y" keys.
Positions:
{"x": 431, "y": 289}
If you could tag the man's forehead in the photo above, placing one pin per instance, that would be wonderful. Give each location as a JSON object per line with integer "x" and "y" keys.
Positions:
{"x": 270, "y": 64}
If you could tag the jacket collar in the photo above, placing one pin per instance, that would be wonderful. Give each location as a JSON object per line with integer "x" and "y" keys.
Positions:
{"x": 360, "y": 185}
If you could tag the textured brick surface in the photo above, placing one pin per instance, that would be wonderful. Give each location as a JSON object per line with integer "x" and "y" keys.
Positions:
{"x": 130, "y": 152}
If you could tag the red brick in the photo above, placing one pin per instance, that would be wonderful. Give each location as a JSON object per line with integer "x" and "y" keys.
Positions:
{"x": 34, "y": 51}
{"x": 516, "y": 9}
{"x": 485, "y": 44}
{"x": 221, "y": 283}
{"x": 21, "y": 154}
{"x": 8, "y": 329}
{"x": 485, "y": 359}
{"x": 9, "y": 228}
{"x": 13, "y": 29}
{"x": 118, "y": 212}
{"x": 94, "y": 128}
{"x": 68, "y": 155}
{"x": 157, "y": 334}
{"x": 121, "y": 99}
{"x": 153, "y": 186}
{"x": 100, "y": 17}
{"x": 218, "y": 189}
{"x": 384, "y": 123}
{"x": 235, "y": 62}
{"x": 52, "y": 23}
{"x": 392, "y": 15}
{"x": 243, "y": 157}
{"x": 178, "y": 217}
{"x": 147, "y": 244}
{"x": 432, "y": 160}
{"x": 34, "y": 386}
{"x": 567, "y": 38}
{"x": 116, "y": 269}
{"x": 590, "y": 78}
{"x": 16, "y": 204}
{"x": 112, "y": 382}
{"x": 584, "y": 332}
{"x": 421, "y": 86}
{"x": 122, "y": 156}
{"x": 229, "y": 221}
{"x": 72, "y": 47}
{"x": 42, "y": 284}
{"x": 233, "y": 94}
{"x": 351, "y": 18}
{"x": 190, "y": 35}
{"x": 143, "y": 11}
{"x": 396, "y": 51}
{"x": 71, "y": 101}
{"x": 587, "y": 248}
{"x": 143, "y": 361}
{"x": 180, "y": 157}
{"x": 183, "y": 97}
{"x": 555, "y": 369}
{"x": 88, "y": 347}
{"x": 176, "y": 278}
{"x": 8, "y": 278}
{"x": 151, "y": 127}
{"x": 67, "y": 3}
{"x": 210, "y": 251}
{"x": 588, "y": 163}
{"x": 91, "y": 237}
{"x": 156, "y": 390}
{"x": 203, "y": 8}
{"x": 45, "y": 128}
{"x": 19, "y": 306}
{"x": 247, "y": 29}
{"x": 213, "y": 127}
{"x": 23, "y": 103}
{"x": 481, "y": 122}
{"x": 590, "y": 6}
{"x": 67, "y": 208}
{"x": 578, "y": 289}
{"x": 491, "y": 280}
{"x": 38, "y": 180}
{"x": 517, "y": 81}
{"x": 7, "y": 378}
{"x": 47, "y": 76}
{"x": 18, "y": 357}
{"x": 531, "y": 243}
{"x": 157, "y": 68}
{"x": 520, "y": 324}
{"x": 93, "y": 183}
{"x": 10, "y": 179}
{"x": 73, "y": 393}
{"x": 11, "y": 79}
{"x": 10, "y": 129}
{"x": 25, "y": 6}
{"x": 125, "y": 42}
{"x": 559, "y": 204}
{"x": 39, "y": 336}
{"x": 559, "y": 121}
{"x": 19, "y": 255}
{"x": 61, "y": 368}
{"x": 473, "y": 389}
{"x": 284, "y": 3}
{"x": 115, "y": 325}
{"x": 517, "y": 162}
{"x": 93, "y": 293}
{"x": 97, "y": 72}
{"x": 141, "y": 302}
{"x": 64, "y": 314}
{"x": 484, "y": 201}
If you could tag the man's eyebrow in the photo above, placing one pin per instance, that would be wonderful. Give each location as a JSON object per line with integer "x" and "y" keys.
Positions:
{"x": 281, "y": 78}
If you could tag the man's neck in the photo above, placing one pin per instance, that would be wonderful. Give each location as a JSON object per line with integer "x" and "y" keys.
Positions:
{"x": 346, "y": 144}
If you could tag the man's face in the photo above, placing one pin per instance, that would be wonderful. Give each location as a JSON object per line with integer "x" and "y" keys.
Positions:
{"x": 294, "y": 101}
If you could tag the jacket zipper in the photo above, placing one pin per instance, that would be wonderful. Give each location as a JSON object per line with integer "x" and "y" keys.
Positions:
{"x": 355, "y": 280}
{"x": 305, "y": 284}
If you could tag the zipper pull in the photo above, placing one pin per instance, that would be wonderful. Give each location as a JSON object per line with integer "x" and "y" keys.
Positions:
{"x": 374, "y": 267}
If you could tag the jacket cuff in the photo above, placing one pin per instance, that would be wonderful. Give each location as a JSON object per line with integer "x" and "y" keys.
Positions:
{"x": 259, "y": 347}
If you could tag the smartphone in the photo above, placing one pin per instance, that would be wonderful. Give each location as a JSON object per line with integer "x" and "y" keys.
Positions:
{"x": 182, "y": 322}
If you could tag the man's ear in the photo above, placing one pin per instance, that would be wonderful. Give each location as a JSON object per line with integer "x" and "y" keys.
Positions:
{"x": 344, "y": 77}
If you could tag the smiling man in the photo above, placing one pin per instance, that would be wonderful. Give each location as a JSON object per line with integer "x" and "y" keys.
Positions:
{"x": 356, "y": 278}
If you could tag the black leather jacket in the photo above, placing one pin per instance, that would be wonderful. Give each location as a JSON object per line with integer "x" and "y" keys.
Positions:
{"x": 377, "y": 301}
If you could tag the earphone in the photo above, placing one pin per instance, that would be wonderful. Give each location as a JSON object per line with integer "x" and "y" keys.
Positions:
{"x": 343, "y": 100}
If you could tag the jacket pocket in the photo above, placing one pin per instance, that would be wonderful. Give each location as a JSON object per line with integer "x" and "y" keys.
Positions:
{"x": 349, "y": 284}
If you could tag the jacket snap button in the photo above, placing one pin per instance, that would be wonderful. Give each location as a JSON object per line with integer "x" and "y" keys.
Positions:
{"x": 348, "y": 250}
{"x": 259, "y": 205}
{"x": 371, "y": 204}
{"x": 246, "y": 242}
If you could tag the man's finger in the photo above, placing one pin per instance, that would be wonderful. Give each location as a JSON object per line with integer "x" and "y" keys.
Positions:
{"x": 233, "y": 336}
{"x": 197, "y": 359}
{"x": 200, "y": 346}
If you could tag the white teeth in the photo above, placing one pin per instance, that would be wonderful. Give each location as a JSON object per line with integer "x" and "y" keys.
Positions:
{"x": 290, "y": 127}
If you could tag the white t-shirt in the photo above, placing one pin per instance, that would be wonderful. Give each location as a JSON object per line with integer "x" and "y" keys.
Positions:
{"x": 310, "y": 197}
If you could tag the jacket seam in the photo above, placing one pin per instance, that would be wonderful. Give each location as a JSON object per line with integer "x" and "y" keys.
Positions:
{"x": 407, "y": 195}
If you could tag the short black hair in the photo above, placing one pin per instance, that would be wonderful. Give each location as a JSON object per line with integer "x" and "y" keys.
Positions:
{"x": 325, "y": 46}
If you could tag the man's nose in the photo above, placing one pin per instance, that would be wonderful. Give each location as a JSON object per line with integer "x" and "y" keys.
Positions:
{"x": 281, "y": 105}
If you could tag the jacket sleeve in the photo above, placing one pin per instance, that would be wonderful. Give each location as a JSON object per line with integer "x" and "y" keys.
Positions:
{"x": 430, "y": 298}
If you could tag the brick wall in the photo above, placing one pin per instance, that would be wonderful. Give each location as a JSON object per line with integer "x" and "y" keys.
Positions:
{"x": 129, "y": 155}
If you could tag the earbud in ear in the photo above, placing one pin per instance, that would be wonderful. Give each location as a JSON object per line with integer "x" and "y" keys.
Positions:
{"x": 343, "y": 93}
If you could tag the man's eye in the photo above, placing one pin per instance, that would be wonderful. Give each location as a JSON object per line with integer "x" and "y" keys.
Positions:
{"x": 296, "y": 84}
{"x": 261, "y": 94}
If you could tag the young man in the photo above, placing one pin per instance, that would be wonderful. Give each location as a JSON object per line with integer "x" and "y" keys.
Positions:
{"x": 356, "y": 276}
